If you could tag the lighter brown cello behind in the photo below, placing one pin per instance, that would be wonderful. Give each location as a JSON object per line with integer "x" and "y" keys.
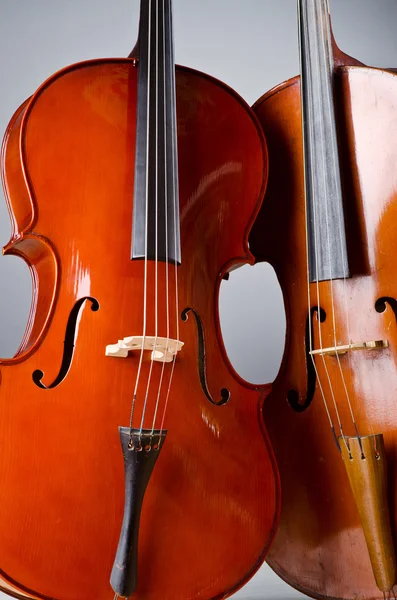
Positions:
{"x": 332, "y": 413}
{"x": 124, "y": 325}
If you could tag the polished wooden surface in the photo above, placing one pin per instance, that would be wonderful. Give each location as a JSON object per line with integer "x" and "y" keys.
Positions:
{"x": 320, "y": 547}
{"x": 211, "y": 506}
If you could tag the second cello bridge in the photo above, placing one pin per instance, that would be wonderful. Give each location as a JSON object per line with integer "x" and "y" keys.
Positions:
{"x": 334, "y": 350}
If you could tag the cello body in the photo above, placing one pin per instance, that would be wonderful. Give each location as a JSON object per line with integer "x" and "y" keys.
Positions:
{"x": 320, "y": 548}
{"x": 211, "y": 505}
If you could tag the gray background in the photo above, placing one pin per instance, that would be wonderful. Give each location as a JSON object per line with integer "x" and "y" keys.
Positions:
{"x": 249, "y": 44}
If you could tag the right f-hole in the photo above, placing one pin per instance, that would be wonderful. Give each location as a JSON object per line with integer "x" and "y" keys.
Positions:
{"x": 293, "y": 396}
{"x": 381, "y": 304}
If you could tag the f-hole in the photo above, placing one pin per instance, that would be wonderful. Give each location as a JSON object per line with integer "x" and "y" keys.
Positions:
{"x": 380, "y": 304}
{"x": 68, "y": 345}
{"x": 225, "y": 393}
{"x": 293, "y": 395}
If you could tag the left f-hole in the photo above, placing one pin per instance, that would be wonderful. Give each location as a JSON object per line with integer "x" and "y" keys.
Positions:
{"x": 293, "y": 396}
{"x": 69, "y": 345}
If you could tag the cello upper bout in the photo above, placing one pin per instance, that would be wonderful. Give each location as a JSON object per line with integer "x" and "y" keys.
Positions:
{"x": 19, "y": 202}
{"x": 36, "y": 251}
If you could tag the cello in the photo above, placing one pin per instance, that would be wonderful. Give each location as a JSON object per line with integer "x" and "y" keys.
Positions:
{"x": 332, "y": 191}
{"x": 132, "y": 186}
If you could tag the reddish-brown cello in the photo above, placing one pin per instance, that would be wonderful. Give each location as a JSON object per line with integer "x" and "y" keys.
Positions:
{"x": 332, "y": 414}
{"x": 124, "y": 324}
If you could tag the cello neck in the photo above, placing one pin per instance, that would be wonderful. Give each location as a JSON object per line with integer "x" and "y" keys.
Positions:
{"x": 155, "y": 227}
{"x": 327, "y": 252}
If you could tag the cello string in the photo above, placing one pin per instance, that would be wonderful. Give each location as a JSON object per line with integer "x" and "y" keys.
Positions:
{"x": 176, "y": 216}
{"x": 329, "y": 256}
{"x": 340, "y": 213}
{"x": 166, "y": 231}
{"x": 310, "y": 120}
{"x": 344, "y": 285}
{"x": 310, "y": 320}
{"x": 308, "y": 278}
{"x": 146, "y": 228}
{"x": 156, "y": 193}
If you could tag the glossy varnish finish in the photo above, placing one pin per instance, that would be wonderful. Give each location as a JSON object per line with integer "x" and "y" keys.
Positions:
{"x": 320, "y": 547}
{"x": 210, "y": 508}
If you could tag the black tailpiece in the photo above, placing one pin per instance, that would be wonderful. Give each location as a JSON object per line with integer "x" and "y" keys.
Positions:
{"x": 140, "y": 451}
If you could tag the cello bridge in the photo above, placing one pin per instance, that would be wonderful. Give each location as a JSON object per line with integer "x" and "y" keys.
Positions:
{"x": 334, "y": 350}
{"x": 163, "y": 349}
